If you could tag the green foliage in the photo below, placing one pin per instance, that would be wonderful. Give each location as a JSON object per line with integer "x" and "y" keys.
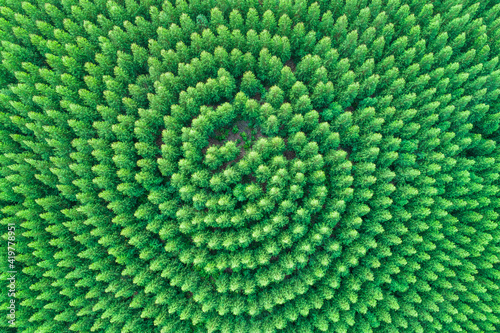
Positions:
{"x": 246, "y": 166}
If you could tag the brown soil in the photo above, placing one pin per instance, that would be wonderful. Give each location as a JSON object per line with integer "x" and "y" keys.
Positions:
{"x": 248, "y": 179}
{"x": 289, "y": 154}
{"x": 159, "y": 140}
{"x": 290, "y": 63}
{"x": 258, "y": 98}
{"x": 159, "y": 143}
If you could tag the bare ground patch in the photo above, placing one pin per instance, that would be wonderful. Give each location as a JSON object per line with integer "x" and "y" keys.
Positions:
{"x": 290, "y": 63}
{"x": 289, "y": 154}
{"x": 258, "y": 98}
{"x": 159, "y": 139}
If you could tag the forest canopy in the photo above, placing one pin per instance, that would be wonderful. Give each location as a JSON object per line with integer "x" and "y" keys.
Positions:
{"x": 250, "y": 166}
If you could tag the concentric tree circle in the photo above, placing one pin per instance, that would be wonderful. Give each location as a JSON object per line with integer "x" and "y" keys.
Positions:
{"x": 275, "y": 166}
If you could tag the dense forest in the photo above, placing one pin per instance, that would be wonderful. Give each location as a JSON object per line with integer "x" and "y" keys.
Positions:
{"x": 250, "y": 166}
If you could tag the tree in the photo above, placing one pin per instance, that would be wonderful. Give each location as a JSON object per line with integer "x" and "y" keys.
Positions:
{"x": 297, "y": 91}
{"x": 303, "y": 105}
{"x": 201, "y": 21}
{"x": 309, "y": 150}
{"x": 322, "y": 95}
{"x": 287, "y": 79}
{"x": 252, "y": 21}
{"x": 249, "y": 62}
{"x": 339, "y": 31}
{"x": 297, "y": 141}
{"x": 275, "y": 97}
{"x": 250, "y": 85}
{"x": 297, "y": 37}
{"x": 311, "y": 120}
{"x": 313, "y": 16}
{"x": 275, "y": 66}
{"x": 252, "y": 108}
{"x": 216, "y": 19}
{"x": 226, "y": 83}
{"x": 295, "y": 124}
{"x": 284, "y": 113}
{"x": 350, "y": 94}
{"x": 264, "y": 65}
{"x": 268, "y": 22}
{"x": 235, "y": 59}
{"x": 224, "y": 37}
{"x": 271, "y": 126}
{"x": 307, "y": 67}
{"x": 285, "y": 26}
{"x": 236, "y": 20}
